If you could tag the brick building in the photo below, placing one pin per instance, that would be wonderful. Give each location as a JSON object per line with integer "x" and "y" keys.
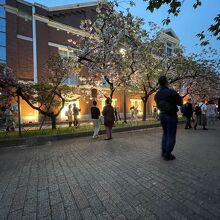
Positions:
{"x": 30, "y": 33}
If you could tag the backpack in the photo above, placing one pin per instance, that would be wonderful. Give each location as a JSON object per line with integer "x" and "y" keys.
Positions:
{"x": 183, "y": 109}
{"x": 167, "y": 107}
{"x": 198, "y": 110}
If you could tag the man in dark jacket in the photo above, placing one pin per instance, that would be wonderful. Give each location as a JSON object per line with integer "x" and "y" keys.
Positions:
{"x": 167, "y": 100}
{"x": 188, "y": 113}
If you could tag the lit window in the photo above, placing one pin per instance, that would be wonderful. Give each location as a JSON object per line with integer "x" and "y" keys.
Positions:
{"x": 137, "y": 103}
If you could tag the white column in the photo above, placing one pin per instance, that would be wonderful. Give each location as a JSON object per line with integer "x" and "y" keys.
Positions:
{"x": 34, "y": 45}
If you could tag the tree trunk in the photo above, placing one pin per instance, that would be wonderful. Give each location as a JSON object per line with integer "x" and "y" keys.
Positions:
{"x": 144, "y": 99}
{"x": 54, "y": 121}
{"x": 124, "y": 102}
{"x": 144, "y": 109}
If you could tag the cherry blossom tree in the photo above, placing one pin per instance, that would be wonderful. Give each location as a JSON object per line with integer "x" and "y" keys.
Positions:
{"x": 49, "y": 95}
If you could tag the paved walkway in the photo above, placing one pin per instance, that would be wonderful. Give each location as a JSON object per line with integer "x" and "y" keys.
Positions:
{"x": 124, "y": 178}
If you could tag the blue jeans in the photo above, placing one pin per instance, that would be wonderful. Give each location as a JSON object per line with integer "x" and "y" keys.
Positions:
{"x": 169, "y": 125}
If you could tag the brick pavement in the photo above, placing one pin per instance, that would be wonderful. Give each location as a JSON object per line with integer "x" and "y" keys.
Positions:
{"x": 124, "y": 178}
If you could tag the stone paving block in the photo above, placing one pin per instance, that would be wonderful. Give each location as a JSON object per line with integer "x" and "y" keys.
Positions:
{"x": 58, "y": 212}
{"x": 16, "y": 215}
{"x": 73, "y": 213}
{"x": 19, "y": 198}
{"x": 30, "y": 205}
{"x": 30, "y": 216}
{"x": 43, "y": 209}
{"x": 88, "y": 214}
{"x": 55, "y": 197}
{"x": 43, "y": 195}
{"x": 96, "y": 205}
{"x": 104, "y": 216}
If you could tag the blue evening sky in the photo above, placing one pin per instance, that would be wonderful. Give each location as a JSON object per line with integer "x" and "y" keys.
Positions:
{"x": 189, "y": 23}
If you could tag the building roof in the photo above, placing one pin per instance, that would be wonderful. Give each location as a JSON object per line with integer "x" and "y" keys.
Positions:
{"x": 171, "y": 33}
{"x": 75, "y": 6}
{"x": 64, "y": 7}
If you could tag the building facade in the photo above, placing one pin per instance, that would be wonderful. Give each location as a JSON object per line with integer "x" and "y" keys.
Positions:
{"x": 31, "y": 33}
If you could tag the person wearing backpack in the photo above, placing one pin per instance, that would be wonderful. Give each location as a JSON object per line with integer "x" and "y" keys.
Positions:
{"x": 188, "y": 113}
{"x": 198, "y": 114}
{"x": 167, "y": 100}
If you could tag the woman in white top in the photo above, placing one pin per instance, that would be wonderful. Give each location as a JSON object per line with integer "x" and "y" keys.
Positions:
{"x": 211, "y": 113}
{"x": 203, "y": 108}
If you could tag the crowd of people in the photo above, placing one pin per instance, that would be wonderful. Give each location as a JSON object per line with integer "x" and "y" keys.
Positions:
{"x": 202, "y": 114}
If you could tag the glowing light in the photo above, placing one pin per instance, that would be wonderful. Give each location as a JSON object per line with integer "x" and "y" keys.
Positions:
{"x": 29, "y": 118}
{"x": 122, "y": 51}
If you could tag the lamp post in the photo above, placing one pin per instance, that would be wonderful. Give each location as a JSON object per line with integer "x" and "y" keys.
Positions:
{"x": 124, "y": 100}
{"x": 123, "y": 52}
{"x": 19, "y": 117}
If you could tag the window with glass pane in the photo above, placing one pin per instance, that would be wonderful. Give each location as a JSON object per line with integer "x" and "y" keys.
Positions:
{"x": 2, "y": 25}
{"x": 2, "y": 53}
{"x": 2, "y": 39}
{"x": 2, "y": 2}
{"x": 2, "y": 12}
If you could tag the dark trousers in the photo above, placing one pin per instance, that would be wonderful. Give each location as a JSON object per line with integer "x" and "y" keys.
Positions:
{"x": 188, "y": 122}
{"x": 169, "y": 125}
{"x": 75, "y": 121}
{"x": 108, "y": 131}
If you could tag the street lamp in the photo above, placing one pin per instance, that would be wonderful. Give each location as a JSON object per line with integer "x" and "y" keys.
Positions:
{"x": 123, "y": 52}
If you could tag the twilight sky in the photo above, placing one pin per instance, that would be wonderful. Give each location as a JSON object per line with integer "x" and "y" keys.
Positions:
{"x": 186, "y": 25}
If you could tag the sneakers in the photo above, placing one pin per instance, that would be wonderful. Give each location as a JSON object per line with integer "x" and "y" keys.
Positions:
{"x": 169, "y": 157}
{"x": 106, "y": 139}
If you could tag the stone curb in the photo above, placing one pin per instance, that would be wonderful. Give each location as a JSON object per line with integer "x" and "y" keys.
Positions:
{"x": 40, "y": 140}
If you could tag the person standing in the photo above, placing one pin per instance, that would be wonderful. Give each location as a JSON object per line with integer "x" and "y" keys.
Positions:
{"x": 95, "y": 113}
{"x": 198, "y": 114}
{"x": 211, "y": 113}
{"x": 167, "y": 100}
{"x": 69, "y": 115}
{"x": 203, "y": 108}
{"x": 109, "y": 118}
{"x": 188, "y": 113}
{"x": 9, "y": 122}
{"x": 136, "y": 113}
{"x": 76, "y": 111}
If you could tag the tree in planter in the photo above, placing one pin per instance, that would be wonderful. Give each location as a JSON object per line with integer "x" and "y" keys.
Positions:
{"x": 48, "y": 96}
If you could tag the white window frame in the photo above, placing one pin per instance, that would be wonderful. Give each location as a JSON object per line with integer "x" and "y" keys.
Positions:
{"x": 139, "y": 101}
